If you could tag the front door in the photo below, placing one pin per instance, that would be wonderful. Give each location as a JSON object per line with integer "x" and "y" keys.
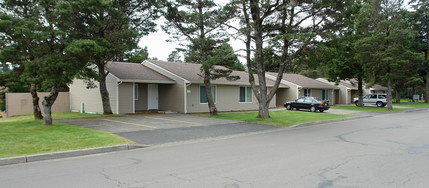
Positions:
{"x": 152, "y": 96}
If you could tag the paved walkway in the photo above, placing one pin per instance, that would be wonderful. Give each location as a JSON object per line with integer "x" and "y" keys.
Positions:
{"x": 160, "y": 129}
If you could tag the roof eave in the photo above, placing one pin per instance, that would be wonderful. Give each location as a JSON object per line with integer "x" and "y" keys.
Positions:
{"x": 148, "y": 81}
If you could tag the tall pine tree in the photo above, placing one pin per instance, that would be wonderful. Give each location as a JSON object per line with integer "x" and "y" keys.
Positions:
{"x": 199, "y": 24}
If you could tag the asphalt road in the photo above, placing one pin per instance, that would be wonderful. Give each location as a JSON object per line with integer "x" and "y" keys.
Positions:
{"x": 383, "y": 151}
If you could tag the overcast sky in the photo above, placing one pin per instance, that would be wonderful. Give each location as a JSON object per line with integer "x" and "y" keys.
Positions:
{"x": 158, "y": 46}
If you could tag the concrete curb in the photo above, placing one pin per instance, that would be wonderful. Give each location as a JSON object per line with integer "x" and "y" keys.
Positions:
{"x": 328, "y": 121}
{"x": 66, "y": 154}
{"x": 415, "y": 110}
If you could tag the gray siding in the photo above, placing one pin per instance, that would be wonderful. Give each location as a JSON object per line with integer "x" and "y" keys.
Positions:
{"x": 227, "y": 99}
{"x": 141, "y": 102}
{"x": 291, "y": 93}
{"x": 345, "y": 96}
{"x": 91, "y": 98}
{"x": 126, "y": 97}
{"x": 318, "y": 93}
{"x": 171, "y": 97}
{"x": 281, "y": 96}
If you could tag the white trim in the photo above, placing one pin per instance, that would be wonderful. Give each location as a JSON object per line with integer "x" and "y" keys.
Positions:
{"x": 199, "y": 93}
{"x": 271, "y": 77}
{"x": 235, "y": 84}
{"x": 117, "y": 95}
{"x": 113, "y": 76}
{"x": 297, "y": 91}
{"x": 185, "y": 94}
{"x": 134, "y": 100}
{"x": 348, "y": 97}
{"x": 146, "y": 61}
{"x": 150, "y": 81}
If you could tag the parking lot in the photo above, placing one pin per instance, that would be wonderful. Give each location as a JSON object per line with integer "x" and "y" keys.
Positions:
{"x": 167, "y": 128}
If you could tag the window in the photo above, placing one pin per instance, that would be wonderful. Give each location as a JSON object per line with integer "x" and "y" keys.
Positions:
{"x": 203, "y": 95}
{"x": 136, "y": 91}
{"x": 325, "y": 94}
{"x": 307, "y": 92}
{"x": 300, "y": 99}
{"x": 246, "y": 94}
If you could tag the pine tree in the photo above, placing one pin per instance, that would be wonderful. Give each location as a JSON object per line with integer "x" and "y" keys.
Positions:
{"x": 199, "y": 23}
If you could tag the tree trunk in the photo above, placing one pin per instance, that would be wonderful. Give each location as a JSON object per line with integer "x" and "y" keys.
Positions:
{"x": 389, "y": 95}
{"x": 210, "y": 102}
{"x": 360, "y": 91}
{"x": 264, "y": 109}
{"x": 105, "y": 99}
{"x": 47, "y": 105}
{"x": 37, "y": 113}
{"x": 259, "y": 61}
{"x": 398, "y": 95}
{"x": 427, "y": 86}
{"x": 427, "y": 70}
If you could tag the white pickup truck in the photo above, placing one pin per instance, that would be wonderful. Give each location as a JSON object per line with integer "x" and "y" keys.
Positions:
{"x": 376, "y": 99}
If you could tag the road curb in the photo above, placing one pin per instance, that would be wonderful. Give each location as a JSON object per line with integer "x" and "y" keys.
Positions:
{"x": 66, "y": 154}
{"x": 415, "y": 110}
{"x": 327, "y": 121}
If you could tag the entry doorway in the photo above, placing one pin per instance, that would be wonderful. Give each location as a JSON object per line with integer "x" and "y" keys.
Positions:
{"x": 152, "y": 97}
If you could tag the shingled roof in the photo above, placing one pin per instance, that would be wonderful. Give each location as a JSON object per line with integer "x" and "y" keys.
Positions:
{"x": 304, "y": 81}
{"x": 192, "y": 72}
{"x": 136, "y": 72}
{"x": 375, "y": 86}
{"x": 345, "y": 83}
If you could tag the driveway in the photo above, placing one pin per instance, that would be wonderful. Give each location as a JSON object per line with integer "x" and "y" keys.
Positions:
{"x": 167, "y": 128}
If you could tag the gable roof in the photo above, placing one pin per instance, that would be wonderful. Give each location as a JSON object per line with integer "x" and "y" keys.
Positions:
{"x": 375, "y": 86}
{"x": 192, "y": 72}
{"x": 344, "y": 83}
{"x": 135, "y": 72}
{"x": 304, "y": 81}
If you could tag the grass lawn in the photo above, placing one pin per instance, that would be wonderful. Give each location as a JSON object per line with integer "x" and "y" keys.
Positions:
{"x": 415, "y": 105}
{"x": 371, "y": 108}
{"x": 21, "y": 135}
{"x": 59, "y": 115}
{"x": 281, "y": 117}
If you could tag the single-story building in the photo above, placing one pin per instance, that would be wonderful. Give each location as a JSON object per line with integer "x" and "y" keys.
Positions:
{"x": 300, "y": 86}
{"x": 349, "y": 89}
{"x": 167, "y": 86}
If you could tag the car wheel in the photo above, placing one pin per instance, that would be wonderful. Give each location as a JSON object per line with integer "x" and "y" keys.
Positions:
{"x": 296, "y": 108}
{"x": 379, "y": 104}
{"x": 313, "y": 109}
{"x": 321, "y": 110}
{"x": 288, "y": 107}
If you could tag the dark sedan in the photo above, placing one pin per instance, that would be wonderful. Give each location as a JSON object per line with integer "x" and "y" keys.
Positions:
{"x": 312, "y": 103}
